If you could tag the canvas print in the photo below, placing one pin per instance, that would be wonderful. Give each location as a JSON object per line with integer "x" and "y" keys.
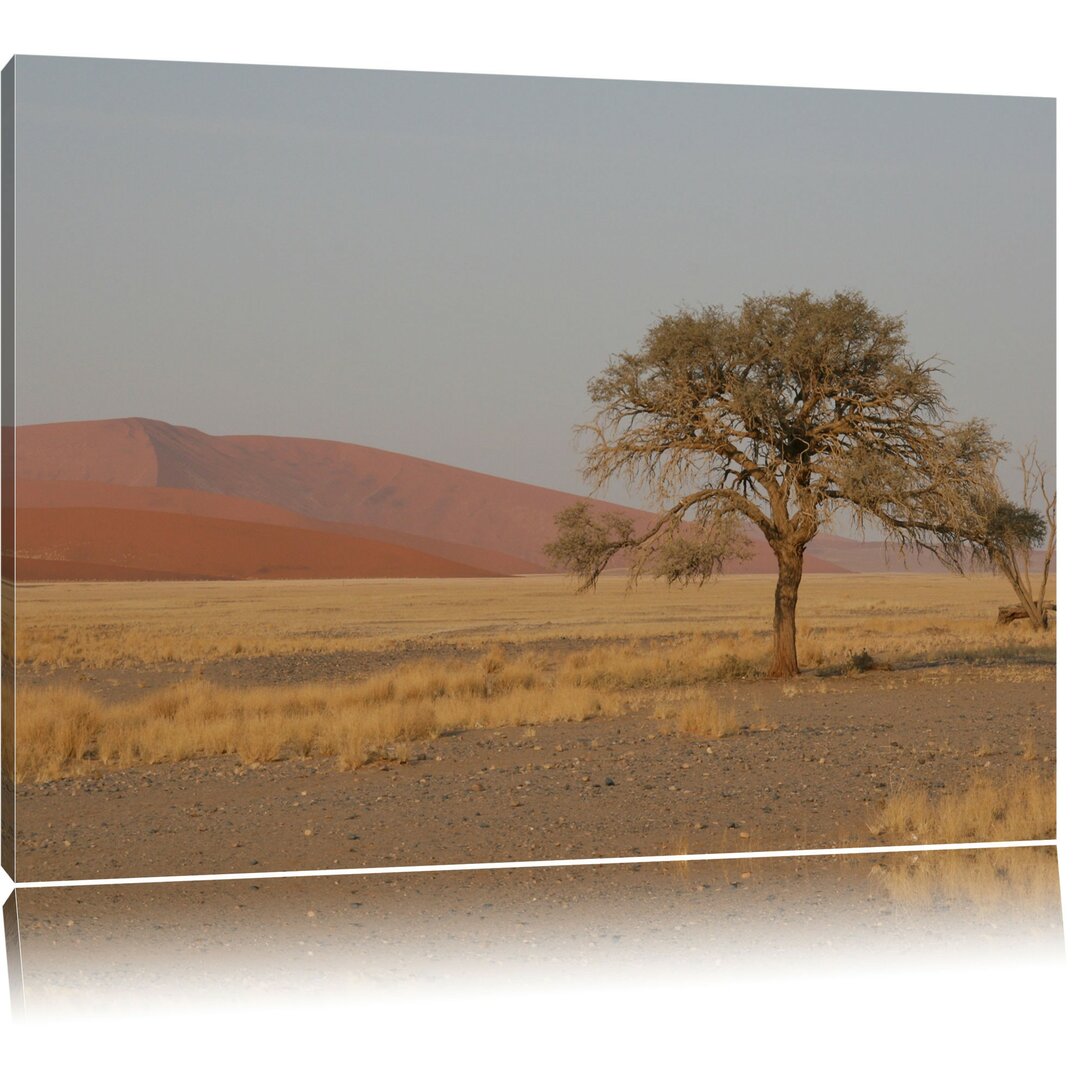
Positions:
{"x": 407, "y": 469}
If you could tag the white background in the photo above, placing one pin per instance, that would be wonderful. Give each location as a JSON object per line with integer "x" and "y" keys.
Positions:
{"x": 989, "y": 1022}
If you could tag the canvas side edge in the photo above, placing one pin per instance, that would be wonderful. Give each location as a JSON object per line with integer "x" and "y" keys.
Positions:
{"x": 7, "y": 471}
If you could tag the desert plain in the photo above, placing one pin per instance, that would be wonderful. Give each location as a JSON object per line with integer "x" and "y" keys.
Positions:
{"x": 189, "y": 727}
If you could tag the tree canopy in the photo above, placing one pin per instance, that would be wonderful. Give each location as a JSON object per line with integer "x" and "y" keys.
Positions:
{"x": 780, "y": 414}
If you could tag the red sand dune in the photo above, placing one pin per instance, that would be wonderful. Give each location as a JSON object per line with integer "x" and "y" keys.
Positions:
{"x": 873, "y": 557}
{"x": 763, "y": 561}
{"x": 187, "y": 545}
{"x": 32, "y": 569}
{"x": 113, "y": 451}
{"x": 45, "y": 494}
{"x": 326, "y": 481}
{"x": 495, "y": 524}
{"x": 59, "y": 493}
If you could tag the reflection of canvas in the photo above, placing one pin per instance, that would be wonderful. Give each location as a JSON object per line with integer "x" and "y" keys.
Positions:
{"x": 345, "y": 639}
{"x": 95, "y": 948}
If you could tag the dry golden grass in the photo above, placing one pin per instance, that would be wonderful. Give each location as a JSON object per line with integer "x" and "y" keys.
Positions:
{"x": 1021, "y": 879}
{"x": 893, "y": 617}
{"x": 57, "y": 729}
{"x": 65, "y": 732}
{"x": 550, "y": 654}
{"x": 683, "y": 662}
{"x": 701, "y": 715}
{"x": 1021, "y": 807}
{"x": 680, "y": 846}
{"x": 1028, "y": 745}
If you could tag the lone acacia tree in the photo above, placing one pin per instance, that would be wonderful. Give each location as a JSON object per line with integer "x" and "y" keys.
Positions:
{"x": 781, "y": 414}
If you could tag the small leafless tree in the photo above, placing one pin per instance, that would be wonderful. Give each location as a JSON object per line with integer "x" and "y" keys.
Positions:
{"x": 1004, "y": 536}
{"x": 779, "y": 414}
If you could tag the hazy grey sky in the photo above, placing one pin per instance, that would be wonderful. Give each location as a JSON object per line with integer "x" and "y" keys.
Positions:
{"x": 436, "y": 264}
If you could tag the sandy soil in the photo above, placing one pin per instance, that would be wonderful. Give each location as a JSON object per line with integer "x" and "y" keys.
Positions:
{"x": 831, "y": 751}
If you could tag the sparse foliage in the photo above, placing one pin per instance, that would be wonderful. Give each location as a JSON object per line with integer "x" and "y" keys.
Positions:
{"x": 1004, "y": 536}
{"x": 781, "y": 414}
{"x": 585, "y": 545}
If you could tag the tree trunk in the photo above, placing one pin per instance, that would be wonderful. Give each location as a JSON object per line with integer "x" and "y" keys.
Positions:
{"x": 785, "y": 660}
{"x": 1031, "y": 607}
{"x": 1011, "y": 612}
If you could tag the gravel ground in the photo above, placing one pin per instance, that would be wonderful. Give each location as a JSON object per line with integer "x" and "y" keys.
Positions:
{"x": 811, "y": 766}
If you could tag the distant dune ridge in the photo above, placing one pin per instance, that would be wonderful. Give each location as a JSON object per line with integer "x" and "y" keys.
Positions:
{"x": 187, "y": 545}
{"x": 54, "y": 494}
{"x": 123, "y": 499}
